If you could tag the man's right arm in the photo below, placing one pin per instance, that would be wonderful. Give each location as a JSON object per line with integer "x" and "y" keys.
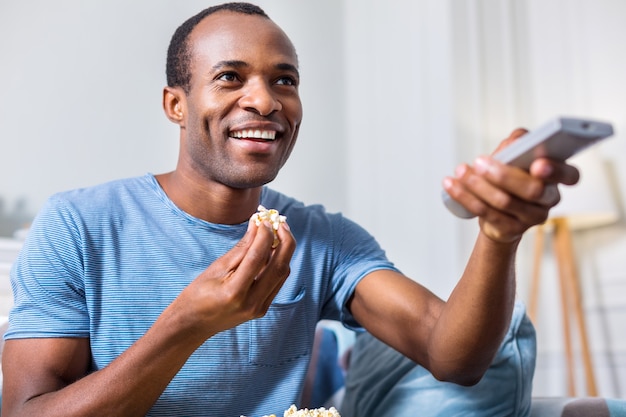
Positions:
{"x": 33, "y": 367}
{"x": 50, "y": 376}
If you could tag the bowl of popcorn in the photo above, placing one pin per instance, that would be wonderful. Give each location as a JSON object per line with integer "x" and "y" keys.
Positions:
{"x": 305, "y": 412}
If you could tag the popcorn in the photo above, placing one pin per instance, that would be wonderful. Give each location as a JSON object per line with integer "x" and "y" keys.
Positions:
{"x": 317, "y": 412}
{"x": 273, "y": 217}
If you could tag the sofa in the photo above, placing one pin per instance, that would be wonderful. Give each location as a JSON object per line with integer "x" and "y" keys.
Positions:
{"x": 362, "y": 377}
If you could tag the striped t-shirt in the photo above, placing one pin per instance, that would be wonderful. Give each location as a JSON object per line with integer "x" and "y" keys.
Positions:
{"x": 103, "y": 262}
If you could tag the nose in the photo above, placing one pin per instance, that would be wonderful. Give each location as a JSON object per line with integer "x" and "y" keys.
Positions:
{"x": 259, "y": 98}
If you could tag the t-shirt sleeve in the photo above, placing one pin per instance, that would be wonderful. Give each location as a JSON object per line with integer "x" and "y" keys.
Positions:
{"x": 47, "y": 278}
{"x": 357, "y": 254}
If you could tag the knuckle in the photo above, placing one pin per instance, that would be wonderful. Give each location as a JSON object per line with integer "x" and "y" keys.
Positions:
{"x": 542, "y": 219}
{"x": 233, "y": 297}
{"x": 282, "y": 269}
{"x": 519, "y": 132}
{"x": 472, "y": 180}
{"x": 259, "y": 310}
{"x": 497, "y": 175}
{"x": 553, "y": 196}
{"x": 503, "y": 201}
{"x": 479, "y": 209}
{"x": 535, "y": 190}
{"x": 257, "y": 255}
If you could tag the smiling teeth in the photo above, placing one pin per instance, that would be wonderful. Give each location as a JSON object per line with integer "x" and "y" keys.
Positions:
{"x": 256, "y": 134}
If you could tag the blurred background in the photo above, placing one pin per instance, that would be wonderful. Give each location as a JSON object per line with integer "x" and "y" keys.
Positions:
{"x": 395, "y": 94}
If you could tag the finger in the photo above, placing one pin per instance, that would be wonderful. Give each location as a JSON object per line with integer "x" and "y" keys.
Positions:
{"x": 497, "y": 194}
{"x": 233, "y": 257}
{"x": 490, "y": 185}
{"x": 457, "y": 189}
{"x": 515, "y": 135}
{"x": 284, "y": 234}
{"x": 514, "y": 193}
{"x": 275, "y": 273}
{"x": 554, "y": 171}
{"x": 503, "y": 180}
{"x": 255, "y": 256}
{"x": 550, "y": 196}
{"x": 278, "y": 263}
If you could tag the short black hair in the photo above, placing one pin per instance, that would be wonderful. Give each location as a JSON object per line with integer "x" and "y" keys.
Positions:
{"x": 179, "y": 53}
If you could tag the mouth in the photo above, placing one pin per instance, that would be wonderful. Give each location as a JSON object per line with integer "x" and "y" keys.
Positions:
{"x": 254, "y": 134}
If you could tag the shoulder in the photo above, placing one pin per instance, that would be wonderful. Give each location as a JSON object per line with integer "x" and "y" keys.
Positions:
{"x": 97, "y": 205}
{"x": 314, "y": 224}
{"x": 309, "y": 217}
{"x": 104, "y": 191}
{"x": 100, "y": 198}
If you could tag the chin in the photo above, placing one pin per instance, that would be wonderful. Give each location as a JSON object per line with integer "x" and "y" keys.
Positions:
{"x": 251, "y": 182}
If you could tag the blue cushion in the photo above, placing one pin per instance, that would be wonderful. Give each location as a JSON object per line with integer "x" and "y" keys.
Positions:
{"x": 325, "y": 376}
{"x": 578, "y": 407}
{"x": 383, "y": 383}
{"x": 617, "y": 407}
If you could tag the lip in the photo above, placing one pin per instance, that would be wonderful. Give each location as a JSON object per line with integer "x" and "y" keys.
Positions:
{"x": 255, "y": 146}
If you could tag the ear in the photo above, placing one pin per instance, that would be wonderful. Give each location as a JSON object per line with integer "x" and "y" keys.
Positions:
{"x": 174, "y": 104}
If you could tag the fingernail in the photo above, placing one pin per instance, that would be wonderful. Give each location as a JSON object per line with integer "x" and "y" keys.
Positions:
{"x": 546, "y": 170}
{"x": 460, "y": 170}
{"x": 481, "y": 165}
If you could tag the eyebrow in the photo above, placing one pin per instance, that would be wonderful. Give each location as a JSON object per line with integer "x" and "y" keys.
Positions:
{"x": 229, "y": 63}
{"x": 242, "y": 64}
{"x": 289, "y": 67}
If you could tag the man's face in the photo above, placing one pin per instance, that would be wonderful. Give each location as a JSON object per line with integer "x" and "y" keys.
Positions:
{"x": 243, "y": 110}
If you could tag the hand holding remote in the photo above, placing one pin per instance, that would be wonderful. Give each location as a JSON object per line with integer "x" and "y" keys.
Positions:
{"x": 558, "y": 139}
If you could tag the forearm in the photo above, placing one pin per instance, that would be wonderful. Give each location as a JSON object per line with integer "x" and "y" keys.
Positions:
{"x": 128, "y": 386}
{"x": 477, "y": 314}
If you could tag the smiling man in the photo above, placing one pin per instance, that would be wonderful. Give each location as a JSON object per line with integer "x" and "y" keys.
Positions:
{"x": 158, "y": 296}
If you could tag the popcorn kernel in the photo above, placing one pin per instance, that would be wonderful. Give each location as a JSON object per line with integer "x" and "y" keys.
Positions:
{"x": 274, "y": 218}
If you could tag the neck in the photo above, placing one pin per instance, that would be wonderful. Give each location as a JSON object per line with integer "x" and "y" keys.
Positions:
{"x": 212, "y": 202}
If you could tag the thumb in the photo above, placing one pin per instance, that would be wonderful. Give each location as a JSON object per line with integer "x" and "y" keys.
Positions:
{"x": 237, "y": 253}
{"x": 515, "y": 135}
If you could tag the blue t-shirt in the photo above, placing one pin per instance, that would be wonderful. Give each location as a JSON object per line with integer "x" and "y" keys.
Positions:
{"x": 103, "y": 262}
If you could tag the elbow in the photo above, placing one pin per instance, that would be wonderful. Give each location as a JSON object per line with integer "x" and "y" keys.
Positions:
{"x": 464, "y": 376}
{"x": 465, "y": 370}
{"x": 464, "y": 380}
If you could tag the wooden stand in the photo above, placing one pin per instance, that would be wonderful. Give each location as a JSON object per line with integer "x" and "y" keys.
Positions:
{"x": 571, "y": 299}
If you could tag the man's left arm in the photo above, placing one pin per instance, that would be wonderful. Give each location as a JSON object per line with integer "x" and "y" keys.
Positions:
{"x": 456, "y": 340}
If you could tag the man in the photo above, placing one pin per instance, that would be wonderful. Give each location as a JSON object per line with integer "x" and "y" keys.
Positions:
{"x": 156, "y": 295}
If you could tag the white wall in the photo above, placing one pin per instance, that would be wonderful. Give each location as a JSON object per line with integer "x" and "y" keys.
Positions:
{"x": 395, "y": 94}
{"x": 432, "y": 83}
{"x": 401, "y": 133}
{"x": 81, "y": 97}
{"x": 576, "y": 64}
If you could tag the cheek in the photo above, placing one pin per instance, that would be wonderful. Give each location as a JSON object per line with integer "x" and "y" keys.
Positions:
{"x": 206, "y": 125}
{"x": 296, "y": 111}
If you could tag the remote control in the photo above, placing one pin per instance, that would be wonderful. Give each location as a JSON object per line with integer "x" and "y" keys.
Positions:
{"x": 559, "y": 139}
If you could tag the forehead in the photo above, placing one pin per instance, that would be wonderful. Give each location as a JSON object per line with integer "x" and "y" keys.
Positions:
{"x": 230, "y": 36}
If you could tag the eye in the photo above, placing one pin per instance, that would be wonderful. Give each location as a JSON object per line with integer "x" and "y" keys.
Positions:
{"x": 228, "y": 77}
{"x": 287, "y": 80}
